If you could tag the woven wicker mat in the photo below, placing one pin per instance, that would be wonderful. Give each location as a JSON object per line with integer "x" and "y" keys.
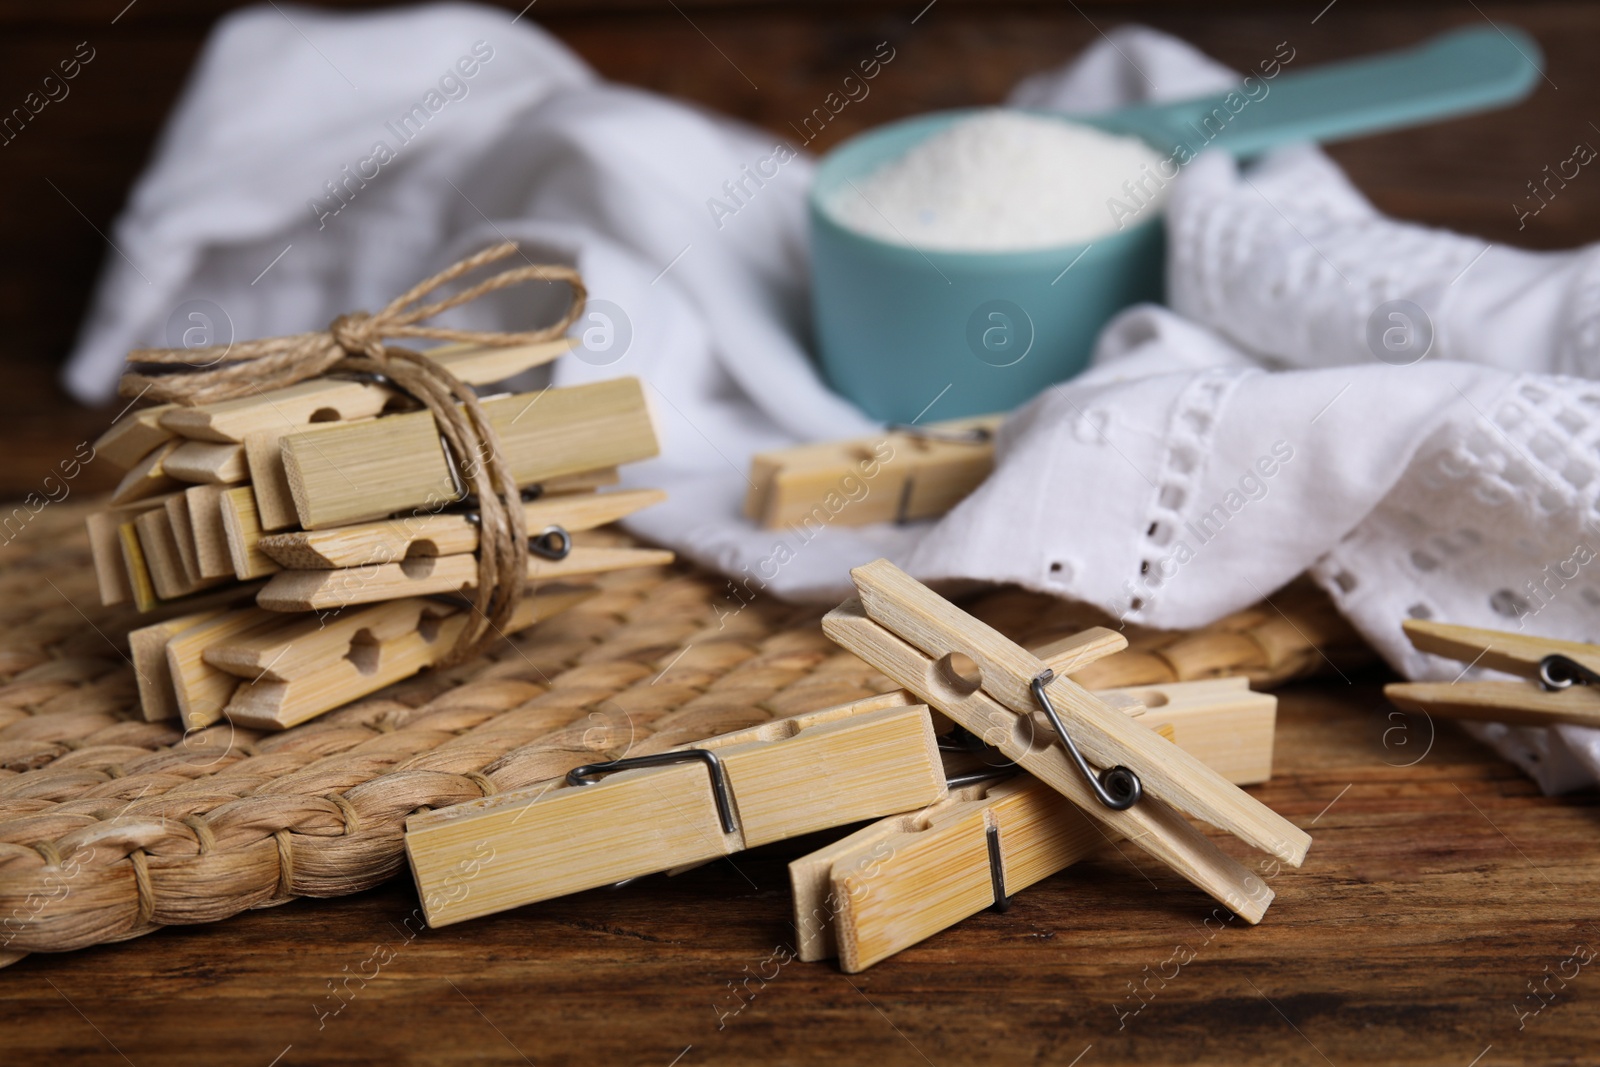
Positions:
{"x": 111, "y": 827}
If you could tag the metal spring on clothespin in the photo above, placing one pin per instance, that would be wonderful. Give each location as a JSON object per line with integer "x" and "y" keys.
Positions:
{"x": 977, "y": 435}
{"x": 1117, "y": 788}
{"x": 589, "y": 774}
{"x": 1559, "y": 672}
{"x": 554, "y": 543}
{"x": 997, "y": 874}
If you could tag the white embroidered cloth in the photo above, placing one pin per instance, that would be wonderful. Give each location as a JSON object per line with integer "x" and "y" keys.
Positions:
{"x": 319, "y": 163}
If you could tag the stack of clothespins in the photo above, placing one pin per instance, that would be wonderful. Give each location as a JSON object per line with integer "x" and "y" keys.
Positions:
{"x": 979, "y": 772}
{"x": 299, "y": 537}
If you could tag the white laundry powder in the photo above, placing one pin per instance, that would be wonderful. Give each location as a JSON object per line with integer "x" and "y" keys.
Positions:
{"x": 1001, "y": 181}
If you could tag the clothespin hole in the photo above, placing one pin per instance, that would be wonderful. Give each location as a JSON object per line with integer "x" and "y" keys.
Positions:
{"x": 428, "y": 627}
{"x": 421, "y": 548}
{"x": 364, "y": 651}
{"x": 958, "y": 671}
{"x": 1150, "y": 698}
{"x": 1032, "y": 733}
{"x": 418, "y": 566}
{"x": 326, "y": 415}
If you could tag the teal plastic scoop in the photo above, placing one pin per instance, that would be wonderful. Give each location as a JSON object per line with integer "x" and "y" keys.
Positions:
{"x": 908, "y": 332}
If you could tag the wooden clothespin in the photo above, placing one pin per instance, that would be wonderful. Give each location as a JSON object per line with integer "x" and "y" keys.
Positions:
{"x": 263, "y": 457}
{"x": 201, "y": 690}
{"x": 317, "y": 400}
{"x": 148, "y": 477}
{"x": 609, "y": 822}
{"x": 370, "y": 470}
{"x": 182, "y": 523}
{"x": 133, "y": 437}
{"x": 207, "y": 463}
{"x": 426, "y": 555}
{"x": 241, "y": 522}
{"x": 905, "y": 473}
{"x": 432, "y": 575}
{"x": 1563, "y": 677}
{"x": 302, "y": 667}
{"x": 1055, "y": 729}
{"x": 158, "y": 543}
{"x": 203, "y": 503}
{"x": 904, "y": 878}
{"x": 141, "y": 590}
{"x": 148, "y": 649}
{"x": 444, "y": 534}
{"x": 112, "y": 572}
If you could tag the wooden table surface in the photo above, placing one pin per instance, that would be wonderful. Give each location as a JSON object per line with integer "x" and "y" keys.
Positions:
{"x": 1440, "y": 888}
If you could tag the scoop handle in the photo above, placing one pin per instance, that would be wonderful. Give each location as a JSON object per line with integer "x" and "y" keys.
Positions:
{"x": 1456, "y": 73}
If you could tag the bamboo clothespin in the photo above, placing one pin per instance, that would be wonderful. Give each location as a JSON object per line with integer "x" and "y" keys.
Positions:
{"x": 1563, "y": 677}
{"x": 158, "y": 543}
{"x": 147, "y": 477}
{"x": 113, "y": 574}
{"x": 263, "y": 457}
{"x": 303, "y": 644}
{"x": 444, "y": 534}
{"x": 905, "y": 473}
{"x": 430, "y": 554}
{"x": 207, "y": 462}
{"x": 147, "y": 645}
{"x": 148, "y": 649}
{"x": 370, "y": 470}
{"x": 241, "y": 522}
{"x": 1221, "y": 722}
{"x": 202, "y": 691}
{"x": 307, "y": 668}
{"x": 432, "y": 575}
{"x": 182, "y": 523}
{"x": 333, "y": 399}
{"x": 141, "y": 590}
{"x": 208, "y": 530}
{"x": 133, "y": 437}
{"x": 997, "y": 690}
{"x": 675, "y": 808}
{"x": 904, "y": 878}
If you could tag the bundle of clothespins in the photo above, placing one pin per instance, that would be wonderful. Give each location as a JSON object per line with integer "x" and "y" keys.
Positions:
{"x": 990, "y": 770}
{"x": 317, "y": 517}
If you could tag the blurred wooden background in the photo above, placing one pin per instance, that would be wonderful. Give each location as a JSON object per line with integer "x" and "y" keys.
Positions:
{"x": 64, "y": 179}
{"x": 1434, "y": 893}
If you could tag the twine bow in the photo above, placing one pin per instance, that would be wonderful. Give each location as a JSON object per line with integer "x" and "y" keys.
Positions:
{"x": 355, "y": 343}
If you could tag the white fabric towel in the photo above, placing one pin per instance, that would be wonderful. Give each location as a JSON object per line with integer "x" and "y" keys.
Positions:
{"x": 319, "y": 163}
